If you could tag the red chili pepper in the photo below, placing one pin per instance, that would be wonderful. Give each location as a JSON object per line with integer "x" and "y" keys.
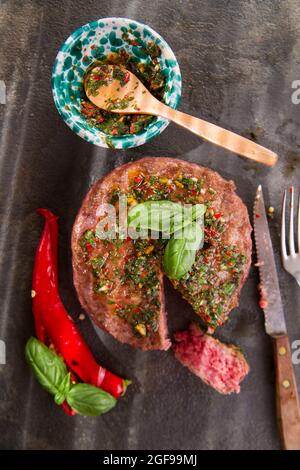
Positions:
{"x": 53, "y": 323}
{"x": 217, "y": 215}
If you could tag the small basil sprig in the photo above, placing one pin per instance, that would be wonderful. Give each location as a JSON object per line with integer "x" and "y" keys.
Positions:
{"x": 181, "y": 222}
{"x": 51, "y": 372}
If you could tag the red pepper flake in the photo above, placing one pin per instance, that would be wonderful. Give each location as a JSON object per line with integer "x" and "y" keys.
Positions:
{"x": 100, "y": 119}
{"x": 128, "y": 257}
{"x": 115, "y": 131}
{"x": 134, "y": 43}
{"x": 87, "y": 113}
{"x": 217, "y": 215}
{"x": 291, "y": 189}
{"x": 89, "y": 247}
{"x": 93, "y": 46}
{"x": 126, "y": 77}
{"x": 263, "y": 303}
{"x": 96, "y": 77}
{"x": 87, "y": 105}
{"x": 257, "y": 216}
{"x": 85, "y": 58}
{"x": 138, "y": 179}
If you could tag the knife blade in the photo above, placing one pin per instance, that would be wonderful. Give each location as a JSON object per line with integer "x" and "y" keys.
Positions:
{"x": 269, "y": 286}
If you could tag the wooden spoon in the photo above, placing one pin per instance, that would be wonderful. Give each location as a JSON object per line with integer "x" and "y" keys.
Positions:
{"x": 115, "y": 89}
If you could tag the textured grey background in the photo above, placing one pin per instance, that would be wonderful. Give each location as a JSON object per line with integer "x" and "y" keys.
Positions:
{"x": 238, "y": 60}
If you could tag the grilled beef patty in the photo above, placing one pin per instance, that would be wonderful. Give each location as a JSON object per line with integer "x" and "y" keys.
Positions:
{"x": 120, "y": 282}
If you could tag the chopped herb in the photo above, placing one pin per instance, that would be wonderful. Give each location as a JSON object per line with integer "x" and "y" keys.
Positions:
{"x": 97, "y": 264}
{"x": 118, "y": 103}
{"x": 88, "y": 241}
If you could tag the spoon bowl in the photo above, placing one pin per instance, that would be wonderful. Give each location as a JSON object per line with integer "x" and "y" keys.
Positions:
{"x": 116, "y": 89}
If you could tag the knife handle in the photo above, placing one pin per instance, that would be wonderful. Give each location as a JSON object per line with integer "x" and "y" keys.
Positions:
{"x": 287, "y": 401}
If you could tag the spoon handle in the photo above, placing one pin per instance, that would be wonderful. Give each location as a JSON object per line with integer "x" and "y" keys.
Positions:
{"x": 217, "y": 135}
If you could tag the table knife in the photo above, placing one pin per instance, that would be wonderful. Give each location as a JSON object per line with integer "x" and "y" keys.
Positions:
{"x": 287, "y": 401}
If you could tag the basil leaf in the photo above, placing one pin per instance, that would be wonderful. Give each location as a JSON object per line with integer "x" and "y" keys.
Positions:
{"x": 163, "y": 216}
{"x": 190, "y": 216}
{"x": 59, "y": 398}
{"x": 48, "y": 368}
{"x": 180, "y": 252}
{"x": 88, "y": 400}
{"x": 178, "y": 259}
{"x": 66, "y": 384}
{"x": 154, "y": 215}
{"x": 192, "y": 234}
{"x": 198, "y": 211}
{"x": 64, "y": 389}
{"x": 158, "y": 206}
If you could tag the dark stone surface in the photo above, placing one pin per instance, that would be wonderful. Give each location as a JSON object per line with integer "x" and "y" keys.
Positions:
{"x": 238, "y": 60}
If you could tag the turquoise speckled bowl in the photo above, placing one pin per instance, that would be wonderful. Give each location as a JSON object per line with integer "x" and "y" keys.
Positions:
{"x": 90, "y": 42}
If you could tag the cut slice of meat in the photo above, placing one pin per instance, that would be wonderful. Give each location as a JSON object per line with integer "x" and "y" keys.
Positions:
{"x": 120, "y": 282}
{"x": 219, "y": 365}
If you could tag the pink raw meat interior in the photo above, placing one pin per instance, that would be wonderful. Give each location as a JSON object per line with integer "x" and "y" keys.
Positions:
{"x": 221, "y": 366}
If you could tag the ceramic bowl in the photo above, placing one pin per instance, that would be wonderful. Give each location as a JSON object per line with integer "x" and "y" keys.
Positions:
{"x": 90, "y": 42}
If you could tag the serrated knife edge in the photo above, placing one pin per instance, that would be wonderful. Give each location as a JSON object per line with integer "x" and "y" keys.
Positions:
{"x": 274, "y": 315}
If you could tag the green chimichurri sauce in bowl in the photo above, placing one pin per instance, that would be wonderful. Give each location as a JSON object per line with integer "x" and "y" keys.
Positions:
{"x": 114, "y": 41}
